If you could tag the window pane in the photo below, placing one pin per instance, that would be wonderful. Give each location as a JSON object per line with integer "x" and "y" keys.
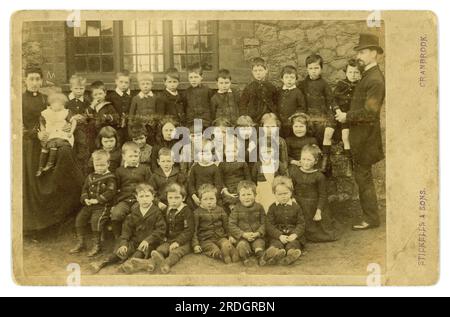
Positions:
{"x": 179, "y": 62}
{"x": 107, "y": 64}
{"x": 128, "y": 28}
{"x": 192, "y": 44}
{"x": 93, "y": 45}
{"x": 192, "y": 60}
{"x": 80, "y": 64}
{"x": 178, "y": 27}
{"x": 156, "y": 44}
{"x": 156, "y": 27}
{"x": 143, "y": 63}
{"x": 192, "y": 27}
{"x": 107, "y": 28}
{"x": 107, "y": 44}
{"x": 93, "y": 28}
{"x": 129, "y": 63}
{"x": 142, "y": 28}
{"x": 206, "y": 44}
{"x": 207, "y": 62}
{"x": 81, "y": 31}
{"x": 94, "y": 64}
{"x": 206, "y": 27}
{"x": 143, "y": 45}
{"x": 179, "y": 44}
{"x": 81, "y": 45}
{"x": 157, "y": 63}
{"x": 129, "y": 45}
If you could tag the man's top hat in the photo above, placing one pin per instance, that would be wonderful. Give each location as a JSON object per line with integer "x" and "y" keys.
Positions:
{"x": 367, "y": 40}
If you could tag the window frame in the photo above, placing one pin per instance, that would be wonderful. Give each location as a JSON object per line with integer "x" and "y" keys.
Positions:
{"x": 208, "y": 76}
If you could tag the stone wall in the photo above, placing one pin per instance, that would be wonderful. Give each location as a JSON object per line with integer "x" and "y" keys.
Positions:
{"x": 283, "y": 43}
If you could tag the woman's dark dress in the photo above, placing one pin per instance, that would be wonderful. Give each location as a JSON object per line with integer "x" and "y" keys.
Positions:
{"x": 48, "y": 199}
{"x": 310, "y": 192}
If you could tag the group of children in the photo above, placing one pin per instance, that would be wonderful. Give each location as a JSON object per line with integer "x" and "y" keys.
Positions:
{"x": 160, "y": 210}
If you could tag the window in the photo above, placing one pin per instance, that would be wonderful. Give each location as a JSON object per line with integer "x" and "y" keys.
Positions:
{"x": 142, "y": 43}
{"x": 193, "y": 42}
{"x": 93, "y": 43}
{"x": 98, "y": 49}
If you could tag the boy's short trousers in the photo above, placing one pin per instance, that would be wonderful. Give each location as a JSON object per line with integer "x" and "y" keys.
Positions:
{"x": 96, "y": 215}
{"x": 55, "y": 143}
{"x": 246, "y": 248}
{"x": 288, "y": 246}
{"x": 179, "y": 252}
{"x": 213, "y": 247}
{"x": 133, "y": 251}
{"x": 121, "y": 210}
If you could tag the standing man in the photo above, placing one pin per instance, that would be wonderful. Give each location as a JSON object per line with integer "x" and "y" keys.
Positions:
{"x": 365, "y": 132}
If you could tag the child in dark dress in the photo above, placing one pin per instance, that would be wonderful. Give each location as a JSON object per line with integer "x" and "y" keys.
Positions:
{"x": 310, "y": 191}
{"x": 232, "y": 172}
{"x": 138, "y": 134}
{"x": 108, "y": 140}
{"x": 285, "y": 225}
{"x": 300, "y": 138}
{"x": 204, "y": 171}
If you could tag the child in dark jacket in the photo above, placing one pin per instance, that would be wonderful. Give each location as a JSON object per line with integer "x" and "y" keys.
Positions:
{"x": 96, "y": 197}
{"x": 128, "y": 176}
{"x": 211, "y": 235}
{"x": 143, "y": 106}
{"x": 142, "y": 232}
{"x": 100, "y": 113}
{"x": 197, "y": 98}
{"x": 170, "y": 102}
{"x": 165, "y": 174}
{"x": 259, "y": 96}
{"x": 319, "y": 103}
{"x": 225, "y": 102}
{"x": 77, "y": 105}
{"x": 180, "y": 229}
{"x": 285, "y": 225}
{"x": 343, "y": 94}
{"x": 121, "y": 100}
{"x": 247, "y": 224}
{"x": 290, "y": 99}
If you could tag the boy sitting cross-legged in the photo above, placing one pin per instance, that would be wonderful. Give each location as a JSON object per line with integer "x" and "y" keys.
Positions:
{"x": 143, "y": 230}
{"x": 247, "y": 224}
{"x": 180, "y": 228}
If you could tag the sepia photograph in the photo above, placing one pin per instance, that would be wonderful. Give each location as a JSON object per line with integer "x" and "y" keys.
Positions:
{"x": 187, "y": 148}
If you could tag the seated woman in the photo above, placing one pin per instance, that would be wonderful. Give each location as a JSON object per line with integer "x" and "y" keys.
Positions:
{"x": 48, "y": 199}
